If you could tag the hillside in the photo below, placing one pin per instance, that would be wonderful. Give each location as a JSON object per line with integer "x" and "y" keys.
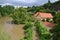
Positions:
{"x": 52, "y": 6}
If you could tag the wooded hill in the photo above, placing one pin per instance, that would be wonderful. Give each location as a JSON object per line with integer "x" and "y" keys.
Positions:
{"x": 52, "y": 6}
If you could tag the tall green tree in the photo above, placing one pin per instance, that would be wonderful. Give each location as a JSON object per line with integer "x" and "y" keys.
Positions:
{"x": 56, "y": 32}
{"x": 8, "y": 9}
{"x": 35, "y": 9}
{"x": 57, "y": 17}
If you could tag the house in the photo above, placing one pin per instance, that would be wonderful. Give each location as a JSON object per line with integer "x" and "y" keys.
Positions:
{"x": 43, "y": 16}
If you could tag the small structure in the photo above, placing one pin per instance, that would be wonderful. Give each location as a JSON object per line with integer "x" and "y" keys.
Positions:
{"x": 43, "y": 16}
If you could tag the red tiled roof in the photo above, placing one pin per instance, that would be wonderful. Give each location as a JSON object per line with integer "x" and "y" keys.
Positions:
{"x": 49, "y": 24}
{"x": 36, "y": 14}
{"x": 43, "y": 15}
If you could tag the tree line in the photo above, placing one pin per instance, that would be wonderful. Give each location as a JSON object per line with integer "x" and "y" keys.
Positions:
{"x": 6, "y": 10}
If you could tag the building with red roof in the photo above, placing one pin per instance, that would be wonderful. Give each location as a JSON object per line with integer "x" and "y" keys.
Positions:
{"x": 46, "y": 18}
{"x": 43, "y": 16}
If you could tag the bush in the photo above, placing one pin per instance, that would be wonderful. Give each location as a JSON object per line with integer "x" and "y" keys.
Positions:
{"x": 21, "y": 16}
{"x": 28, "y": 31}
{"x": 42, "y": 32}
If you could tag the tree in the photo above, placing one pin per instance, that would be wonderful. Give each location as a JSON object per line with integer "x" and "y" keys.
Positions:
{"x": 56, "y": 32}
{"x": 8, "y": 9}
{"x": 21, "y": 16}
{"x": 42, "y": 32}
{"x": 57, "y": 17}
{"x": 35, "y": 9}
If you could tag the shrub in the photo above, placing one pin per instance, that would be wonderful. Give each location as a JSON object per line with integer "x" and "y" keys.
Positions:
{"x": 28, "y": 31}
{"x": 42, "y": 32}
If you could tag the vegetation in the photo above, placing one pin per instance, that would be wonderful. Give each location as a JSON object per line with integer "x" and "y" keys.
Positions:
{"x": 57, "y": 17}
{"x": 56, "y": 32}
{"x": 21, "y": 16}
{"x": 35, "y": 9}
{"x": 52, "y": 6}
{"x": 21, "y": 39}
{"x": 42, "y": 32}
{"x": 28, "y": 31}
{"x": 6, "y": 10}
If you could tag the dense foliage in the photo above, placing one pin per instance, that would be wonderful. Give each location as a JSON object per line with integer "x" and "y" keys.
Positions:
{"x": 35, "y": 9}
{"x": 57, "y": 17}
{"x": 21, "y": 16}
{"x": 28, "y": 31}
{"x": 42, "y": 32}
{"x": 55, "y": 32}
{"x": 6, "y": 10}
{"x": 52, "y": 6}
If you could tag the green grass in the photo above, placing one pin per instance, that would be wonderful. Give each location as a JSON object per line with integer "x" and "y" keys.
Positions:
{"x": 4, "y": 35}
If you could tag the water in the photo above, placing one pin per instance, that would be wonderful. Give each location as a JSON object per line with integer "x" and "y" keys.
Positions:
{"x": 13, "y": 30}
